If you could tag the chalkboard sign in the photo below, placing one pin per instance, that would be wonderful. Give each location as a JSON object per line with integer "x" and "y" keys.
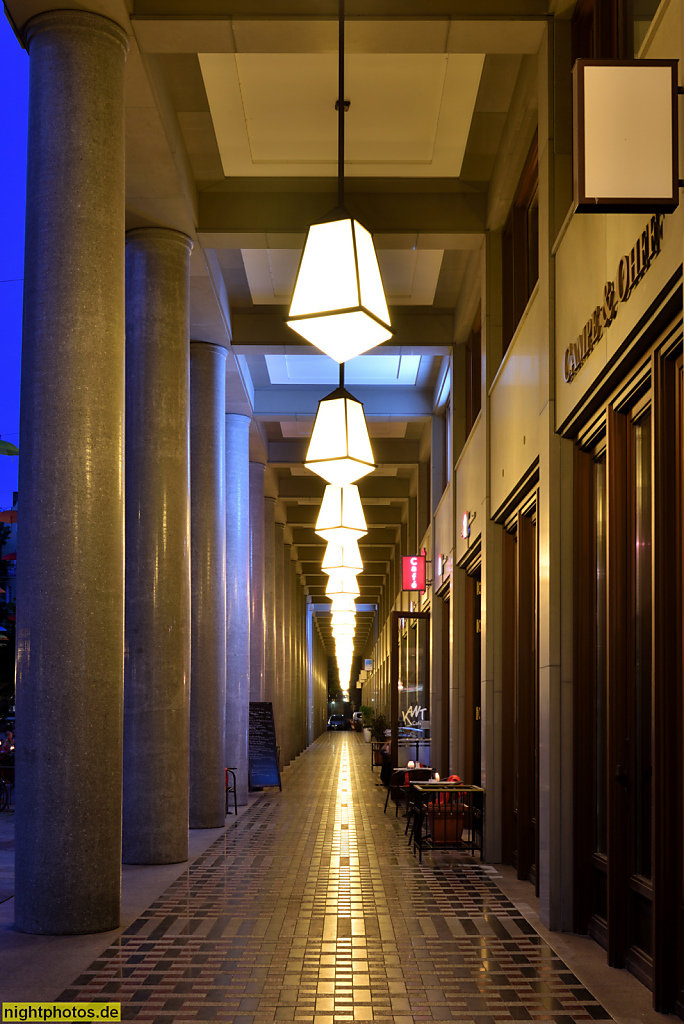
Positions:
{"x": 263, "y": 759}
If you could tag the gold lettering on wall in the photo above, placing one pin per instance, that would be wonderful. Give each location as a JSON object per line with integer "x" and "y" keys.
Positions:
{"x": 630, "y": 269}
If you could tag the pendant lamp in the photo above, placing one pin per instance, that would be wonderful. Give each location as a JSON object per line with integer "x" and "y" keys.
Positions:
{"x": 344, "y": 575}
{"x": 339, "y": 631}
{"x": 342, "y": 603}
{"x": 343, "y": 585}
{"x": 338, "y": 302}
{"x": 340, "y": 450}
{"x": 341, "y": 517}
{"x": 338, "y": 556}
{"x": 343, "y": 619}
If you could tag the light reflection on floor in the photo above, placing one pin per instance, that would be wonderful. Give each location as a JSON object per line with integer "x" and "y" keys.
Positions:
{"x": 312, "y": 909}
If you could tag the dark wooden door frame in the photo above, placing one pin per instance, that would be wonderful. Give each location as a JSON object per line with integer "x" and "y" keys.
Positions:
{"x": 472, "y": 745}
{"x": 619, "y": 670}
{"x": 395, "y": 619}
{"x": 584, "y": 688}
{"x": 667, "y": 676}
{"x": 526, "y": 702}
{"x": 508, "y": 663}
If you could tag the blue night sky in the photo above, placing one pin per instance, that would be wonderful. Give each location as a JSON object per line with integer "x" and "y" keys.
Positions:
{"x": 13, "y": 118}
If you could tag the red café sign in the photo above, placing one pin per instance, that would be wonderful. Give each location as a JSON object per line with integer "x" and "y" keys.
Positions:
{"x": 413, "y": 572}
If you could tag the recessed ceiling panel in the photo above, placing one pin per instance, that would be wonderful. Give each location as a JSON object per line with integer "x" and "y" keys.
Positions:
{"x": 315, "y": 369}
{"x": 274, "y": 114}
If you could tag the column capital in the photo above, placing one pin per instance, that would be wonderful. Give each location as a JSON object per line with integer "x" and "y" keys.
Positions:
{"x": 70, "y": 20}
{"x": 209, "y": 344}
{"x": 159, "y": 234}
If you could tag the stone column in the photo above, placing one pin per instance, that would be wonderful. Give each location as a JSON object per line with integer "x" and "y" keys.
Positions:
{"x": 237, "y": 598}
{"x": 157, "y": 665}
{"x": 208, "y": 534}
{"x": 70, "y": 612}
{"x": 279, "y": 555}
{"x": 288, "y": 672}
{"x": 294, "y": 640}
{"x": 256, "y": 568}
{"x": 269, "y": 688}
{"x": 311, "y": 695}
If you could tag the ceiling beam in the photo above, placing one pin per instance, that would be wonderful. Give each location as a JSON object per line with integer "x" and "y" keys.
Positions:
{"x": 426, "y": 205}
{"x": 266, "y": 329}
{"x": 385, "y": 451}
{"x": 328, "y": 9}
{"x": 376, "y": 515}
{"x": 370, "y": 487}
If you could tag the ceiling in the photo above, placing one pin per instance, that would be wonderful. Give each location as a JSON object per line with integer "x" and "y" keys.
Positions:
{"x": 231, "y": 137}
{"x": 254, "y": 103}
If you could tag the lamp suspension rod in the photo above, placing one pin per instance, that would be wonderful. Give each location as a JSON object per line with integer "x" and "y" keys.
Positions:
{"x": 340, "y": 112}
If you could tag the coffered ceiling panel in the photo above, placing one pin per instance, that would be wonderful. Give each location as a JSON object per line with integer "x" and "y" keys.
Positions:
{"x": 274, "y": 114}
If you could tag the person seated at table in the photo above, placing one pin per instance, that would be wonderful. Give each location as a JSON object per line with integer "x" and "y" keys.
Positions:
{"x": 7, "y": 745}
{"x": 386, "y": 755}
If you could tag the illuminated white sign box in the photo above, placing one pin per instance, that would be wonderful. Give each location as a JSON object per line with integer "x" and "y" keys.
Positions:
{"x": 625, "y": 136}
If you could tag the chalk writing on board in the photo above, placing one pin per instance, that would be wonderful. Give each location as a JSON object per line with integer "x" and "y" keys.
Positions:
{"x": 263, "y": 757}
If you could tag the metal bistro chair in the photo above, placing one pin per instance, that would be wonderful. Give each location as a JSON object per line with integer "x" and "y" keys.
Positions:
{"x": 400, "y": 784}
{"x": 231, "y": 788}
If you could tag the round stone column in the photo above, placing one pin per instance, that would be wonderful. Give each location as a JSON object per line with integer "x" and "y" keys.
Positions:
{"x": 70, "y": 610}
{"x": 157, "y": 666}
{"x": 269, "y": 602}
{"x": 288, "y": 674}
{"x": 256, "y": 568}
{"x": 294, "y": 661}
{"x": 237, "y": 598}
{"x": 208, "y": 536}
{"x": 279, "y": 603}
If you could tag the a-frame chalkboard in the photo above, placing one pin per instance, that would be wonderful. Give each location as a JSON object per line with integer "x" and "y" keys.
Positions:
{"x": 263, "y": 758}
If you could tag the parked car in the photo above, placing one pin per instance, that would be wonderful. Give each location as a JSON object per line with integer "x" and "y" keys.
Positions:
{"x": 357, "y": 721}
{"x": 338, "y": 722}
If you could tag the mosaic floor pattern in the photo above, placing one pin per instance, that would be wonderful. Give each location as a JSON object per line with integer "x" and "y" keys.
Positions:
{"x": 312, "y": 908}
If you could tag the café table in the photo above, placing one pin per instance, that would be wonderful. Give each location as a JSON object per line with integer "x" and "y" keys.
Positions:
{"x": 446, "y": 816}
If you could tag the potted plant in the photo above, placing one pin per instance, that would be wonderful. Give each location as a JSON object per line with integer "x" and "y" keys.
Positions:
{"x": 367, "y": 716}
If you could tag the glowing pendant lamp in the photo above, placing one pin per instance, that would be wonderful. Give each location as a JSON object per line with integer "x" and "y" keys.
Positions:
{"x": 347, "y": 556}
{"x": 343, "y": 603}
{"x": 343, "y": 585}
{"x": 340, "y": 450}
{"x": 343, "y": 619}
{"x": 340, "y": 631}
{"x": 338, "y": 302}
{"x": 341, "y": 519}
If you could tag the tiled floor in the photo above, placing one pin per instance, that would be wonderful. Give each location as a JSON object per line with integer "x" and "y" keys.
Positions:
{"x": 312, "y": 909}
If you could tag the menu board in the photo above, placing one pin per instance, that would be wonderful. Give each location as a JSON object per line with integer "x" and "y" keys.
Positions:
{"x": 263, "y": 758}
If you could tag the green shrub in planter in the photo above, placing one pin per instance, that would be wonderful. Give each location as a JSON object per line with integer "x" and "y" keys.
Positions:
{"x": 367, "y": 715}
{"x": 378, "y": 728}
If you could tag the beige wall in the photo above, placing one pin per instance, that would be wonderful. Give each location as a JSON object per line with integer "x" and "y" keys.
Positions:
{"x": 587, "y": 257}
{"x": 471, "y": 487}
{"x": 515, "y": 405}
{"x": 444, "y": 536}
{"x": 588, "y": 254}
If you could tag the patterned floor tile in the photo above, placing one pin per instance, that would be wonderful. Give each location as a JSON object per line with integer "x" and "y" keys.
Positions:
{"x": 312, "y": 908}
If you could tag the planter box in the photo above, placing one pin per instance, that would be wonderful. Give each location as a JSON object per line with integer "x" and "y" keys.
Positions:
{"x": 367, "y": 735}
{"x": 446, "y": 827}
